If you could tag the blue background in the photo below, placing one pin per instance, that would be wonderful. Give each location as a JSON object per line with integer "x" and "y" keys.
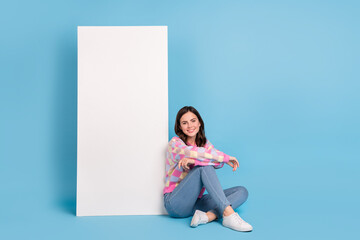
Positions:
{"x": 276, "y": 82}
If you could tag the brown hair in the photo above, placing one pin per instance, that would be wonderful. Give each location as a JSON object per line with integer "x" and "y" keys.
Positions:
{"x": 200, "y": 136}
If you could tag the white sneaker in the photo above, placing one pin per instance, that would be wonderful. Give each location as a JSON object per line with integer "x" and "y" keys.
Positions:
{"x": 235, "y": 222}
{"x": 199, "y": 217}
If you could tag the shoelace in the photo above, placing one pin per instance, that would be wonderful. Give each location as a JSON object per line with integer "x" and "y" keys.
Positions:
{"x": 239, "y": 219}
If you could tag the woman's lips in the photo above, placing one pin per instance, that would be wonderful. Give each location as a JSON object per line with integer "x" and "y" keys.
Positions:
{"x": 190, "y": 131}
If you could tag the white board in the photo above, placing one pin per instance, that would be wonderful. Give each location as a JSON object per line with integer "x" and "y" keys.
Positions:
{"x": 122, "y": 120}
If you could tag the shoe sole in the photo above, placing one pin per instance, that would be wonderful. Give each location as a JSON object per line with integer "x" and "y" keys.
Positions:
{"x": 238, "y": 230}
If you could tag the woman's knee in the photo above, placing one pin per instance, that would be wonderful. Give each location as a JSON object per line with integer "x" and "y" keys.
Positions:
{"x": 242, "y": 191}
{"x": 207, "y": 168}
{"x": 200, "y": 168}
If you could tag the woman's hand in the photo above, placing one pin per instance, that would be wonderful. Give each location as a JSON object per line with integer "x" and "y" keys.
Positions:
{"x": 233, "y": 162}
{"x": 185, "y": 162}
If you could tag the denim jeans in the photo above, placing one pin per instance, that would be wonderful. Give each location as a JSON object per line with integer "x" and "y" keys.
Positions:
{"x": 183, "y": 200}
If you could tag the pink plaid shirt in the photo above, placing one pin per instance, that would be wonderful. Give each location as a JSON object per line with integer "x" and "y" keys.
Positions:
{"x": 203, "y": 156}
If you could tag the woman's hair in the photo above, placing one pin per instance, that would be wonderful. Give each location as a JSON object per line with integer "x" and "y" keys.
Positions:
{"x": 200, "y": 136}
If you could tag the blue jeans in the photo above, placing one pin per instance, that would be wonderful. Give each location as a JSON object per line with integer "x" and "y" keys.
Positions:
{"x": 183, "y": 200}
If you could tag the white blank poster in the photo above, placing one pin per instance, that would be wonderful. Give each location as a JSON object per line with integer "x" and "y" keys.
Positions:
{"x": 122, "y": 120}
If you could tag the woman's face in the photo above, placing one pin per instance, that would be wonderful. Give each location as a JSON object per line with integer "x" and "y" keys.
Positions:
{"x": 190, "y": 124}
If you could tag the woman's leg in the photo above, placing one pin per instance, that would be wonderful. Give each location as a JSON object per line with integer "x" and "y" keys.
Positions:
{"x": 181, "y": 201}
{"x": 236, "y": 196}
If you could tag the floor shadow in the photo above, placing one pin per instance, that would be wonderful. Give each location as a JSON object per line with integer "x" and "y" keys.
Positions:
{"x": 64, "y": 115}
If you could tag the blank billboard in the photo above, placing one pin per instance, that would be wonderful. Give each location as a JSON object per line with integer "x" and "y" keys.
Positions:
{"x": 122, "y": 120}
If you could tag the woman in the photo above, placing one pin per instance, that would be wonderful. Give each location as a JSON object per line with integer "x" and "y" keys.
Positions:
{"x": 191, "y": 161}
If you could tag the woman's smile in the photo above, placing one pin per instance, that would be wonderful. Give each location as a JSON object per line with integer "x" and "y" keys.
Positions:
{"x": 190, "y": 126}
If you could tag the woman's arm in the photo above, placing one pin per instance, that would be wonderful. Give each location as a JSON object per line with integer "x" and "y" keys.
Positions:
{"x": 211, "y": 146}
{"x": 202, "y": 156}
